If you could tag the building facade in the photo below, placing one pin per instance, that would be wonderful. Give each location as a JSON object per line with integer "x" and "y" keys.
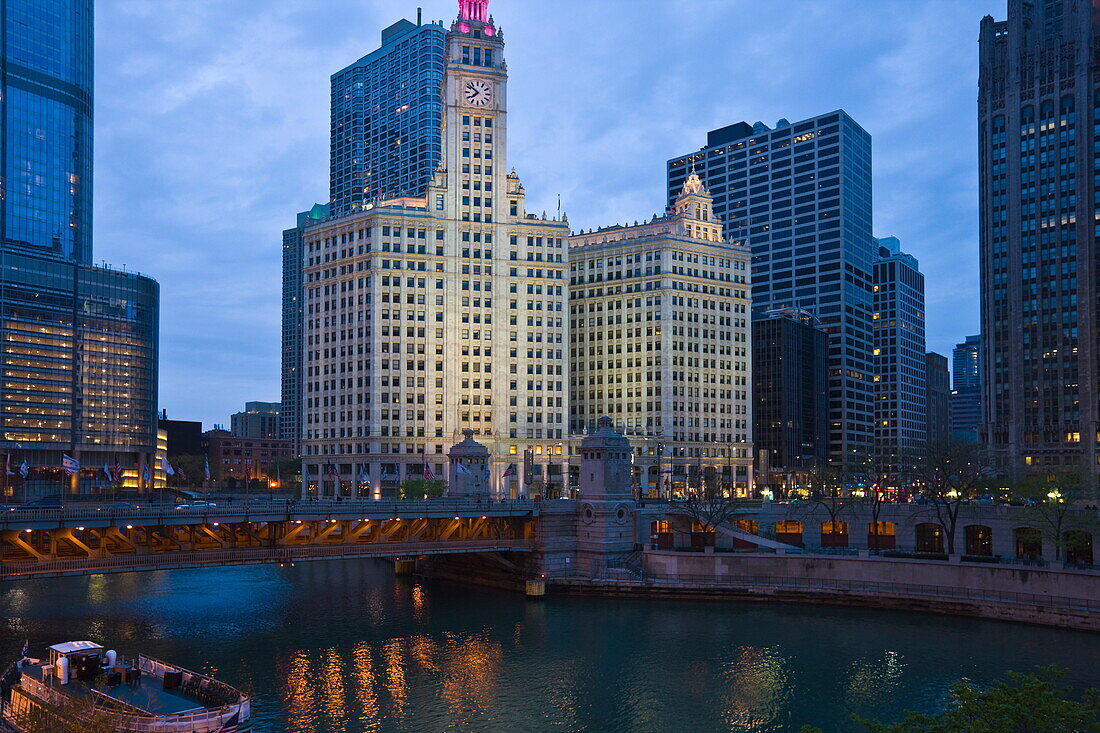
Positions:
{"x": 259, "y": 420}
{"x": 966, "y": 392}
{"x": 426, "y": 316}
{"x": 800, "y": 196}
{"x": 938, "y": 380}
{"x": 387, "y": 117}
{"x": 244, "y": 459}
{"x": 790, "y": 404}
{"x": 184, "y": 437}
{"x": 1039, "y": 100}
{"x": 290, "y": 418}
{"x": 658, "y": 341}
{"x": 901, "y": 392}
{"x": 46, "y": 98}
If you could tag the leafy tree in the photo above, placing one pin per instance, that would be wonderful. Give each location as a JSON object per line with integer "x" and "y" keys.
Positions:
{"x": 1051, "y": 510}
{"x": 1023, "y": 703}
{"x": 192, "y": 465}
{"x": 415, "y": 488}
{"x": 949, "y": 475}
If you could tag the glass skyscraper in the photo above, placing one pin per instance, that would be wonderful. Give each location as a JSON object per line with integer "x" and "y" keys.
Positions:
{"x": 1039, "y": 107}
{"x": 800, "y": 196}
{"x": 387, "y": 119}
{"x": 78, "y": 344}
{"x": 966, "y": 397}
{"x": 46, "y": 199}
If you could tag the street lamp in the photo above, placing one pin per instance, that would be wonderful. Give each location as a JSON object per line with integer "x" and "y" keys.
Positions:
{"x": 1055, "y": 496}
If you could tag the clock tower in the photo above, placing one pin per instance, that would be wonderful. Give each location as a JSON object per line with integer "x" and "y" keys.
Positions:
{"x": 475, "y": 120}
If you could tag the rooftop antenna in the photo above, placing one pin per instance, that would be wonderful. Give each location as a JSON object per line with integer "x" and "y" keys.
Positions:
{"x": 419, "y": 16}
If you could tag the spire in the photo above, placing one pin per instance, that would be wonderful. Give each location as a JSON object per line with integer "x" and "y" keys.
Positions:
{"x": 693, "y": 186}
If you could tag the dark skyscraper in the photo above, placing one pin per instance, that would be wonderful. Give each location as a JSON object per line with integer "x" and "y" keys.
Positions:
{"x": 938, "y": 379}
{"x": 966, "y": 395}
{"x": 789, "y": 379}
{"x": 80, "y": 342}
{"x": 1038, "y": 105}
{"x": 387, "y": 119}
{"x": 901, "y": 398}
{"x": 800, "y": 196}
{"x": 47, "y": 83}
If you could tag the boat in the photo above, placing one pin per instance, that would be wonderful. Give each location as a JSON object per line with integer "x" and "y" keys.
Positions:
{"x": 95, "y": 688}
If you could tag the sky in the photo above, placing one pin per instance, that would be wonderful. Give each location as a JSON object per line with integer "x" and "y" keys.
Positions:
{"x": 212, "y": 133}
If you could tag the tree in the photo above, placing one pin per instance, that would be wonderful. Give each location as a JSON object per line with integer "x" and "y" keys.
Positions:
{"x": 416, "y": 488}
{"x": 1052, "y": 512}
{"x": 710, "y": 507}
{"x": 825, "y": 493}
{"x": 874, "y": 474}
{"x": 1023, "y": 703}
{"x": 950, "y": 475}
{"x": 193, "y": 467}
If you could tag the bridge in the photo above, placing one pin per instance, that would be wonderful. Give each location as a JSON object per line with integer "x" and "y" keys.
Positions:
{"x": 81, "y": 540}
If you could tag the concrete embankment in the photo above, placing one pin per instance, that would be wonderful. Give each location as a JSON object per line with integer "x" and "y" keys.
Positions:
{"x": 1066, "y": 599}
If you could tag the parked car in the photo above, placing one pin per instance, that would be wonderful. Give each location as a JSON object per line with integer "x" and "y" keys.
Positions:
{"x": 48, "y": 503}
{"x": 123, "y": 505}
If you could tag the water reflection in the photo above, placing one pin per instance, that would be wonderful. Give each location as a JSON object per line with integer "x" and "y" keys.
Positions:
{"x": 347, "y": 647}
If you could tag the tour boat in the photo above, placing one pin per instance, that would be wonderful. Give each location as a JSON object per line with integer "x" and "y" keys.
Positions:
{"x": 83, "y": 681}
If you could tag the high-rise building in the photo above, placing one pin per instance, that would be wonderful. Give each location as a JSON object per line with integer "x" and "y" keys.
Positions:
{"x": 259, "y": 420}
{"x": 966, "y": 395}
{"x": 387, "y": 118}
{"x": 80, "y": 346}
{"x": 790, "y": 406}
{"x": 1038, "y": 104}
{"x": 428, "y": 315}
{"x": 938, "y": 381}
{"x": 901, "y": 399}
{"x": 290, "y": 418}
{"x": 800, "y": 197}
{"x": 658, "y": 341}
{"x": 46, "y": 94}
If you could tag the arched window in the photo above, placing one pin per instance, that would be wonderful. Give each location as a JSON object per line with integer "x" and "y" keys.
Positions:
{"x": 789, "y": 532}
{"x": 882, "y": 535}
{"x": 930, "y": 538}
{"x": 1078, "y": 544}
{"x": 1029, "y": 543}
{"x": 746, "y": 525}
{"x": 979, "y": 540}
{"x": 834, "y": 534}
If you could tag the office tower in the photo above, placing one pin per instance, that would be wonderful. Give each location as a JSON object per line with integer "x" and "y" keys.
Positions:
{"x": 901, "y": 399}
{"x": 938, "y": 381}
{"x": 800, "y": 197}
{"x": 290, "y": 418}
{"x": 1037, "y": 110}
{"x": 428, "y": 315}
{"x": 658, "y": 341}
{"x": 966, "y": 395}
{"x": 47, "y": 92}
{"x": 80, "y": 346}
{"x": 387, "y": 118}
{"x": 790, "y": 406}
{"x": 259, "y": 420}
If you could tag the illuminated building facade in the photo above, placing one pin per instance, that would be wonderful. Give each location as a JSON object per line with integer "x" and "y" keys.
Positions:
{"x": 659, "y": 342}
{"x": 800, "y": 196}
{"x": 901, "y": 392}
{"x": 387, "y": 117}
{"x": 966, "y": 393}
{"x": 78, "y": 344}
{"x": 424, "y": 316}
{"x": 1038, "y": 107}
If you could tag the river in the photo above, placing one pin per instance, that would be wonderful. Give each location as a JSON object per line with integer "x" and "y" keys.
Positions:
{"x": 346, "y": 646}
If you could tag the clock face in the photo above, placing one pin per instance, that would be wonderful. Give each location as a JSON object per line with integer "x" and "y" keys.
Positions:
{"x": 478, "y": 93}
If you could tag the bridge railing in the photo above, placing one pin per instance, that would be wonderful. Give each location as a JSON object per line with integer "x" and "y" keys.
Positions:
{"x": 255, "y": 555}
{"x": 281, "y": 509}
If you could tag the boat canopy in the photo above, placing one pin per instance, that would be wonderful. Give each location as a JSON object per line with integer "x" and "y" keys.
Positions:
{"x": 69, "y": 647}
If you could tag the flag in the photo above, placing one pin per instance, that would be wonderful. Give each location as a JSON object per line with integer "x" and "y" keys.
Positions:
{"x": 10, "y": 472}
{"x": 107, "y": 472}
{"x": 145, "y": 475}
{"x": 463, "y": 469}
{"x": 118, "y": 471}
{"x": 167, "y": 467}
{"x": 306, "y": 478}
{"x": 180, "y": 471}
{"x": 70, "y": 465}
{"x": 26, "y": 647}
{"x": 248, "y": 469}
{"x": 510, "y": 471}
{"x": 333, "y": 472}
{"x": 24, "y": 469}
{"x": 364, "y": 475}
{"x": 429, "y": 474}
{"x": 232, "y": 724}
{"x": 206, "y": 468}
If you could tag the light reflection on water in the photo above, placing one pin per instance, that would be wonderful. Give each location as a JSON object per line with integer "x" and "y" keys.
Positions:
{"x": 346, "y": 647}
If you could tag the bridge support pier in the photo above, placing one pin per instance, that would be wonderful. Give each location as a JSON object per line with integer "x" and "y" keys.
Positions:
{"x": 535, "y": 589}
{"x": 404, "y": 567}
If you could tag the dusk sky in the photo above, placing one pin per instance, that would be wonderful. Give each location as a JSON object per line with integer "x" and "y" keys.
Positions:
{"x": 212, "y": 133}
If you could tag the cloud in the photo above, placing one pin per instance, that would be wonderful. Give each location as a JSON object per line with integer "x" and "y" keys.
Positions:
{"x": 212, "y": 133}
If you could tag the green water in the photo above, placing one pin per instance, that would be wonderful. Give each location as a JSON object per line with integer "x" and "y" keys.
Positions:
{"x": 345, "y": 646}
